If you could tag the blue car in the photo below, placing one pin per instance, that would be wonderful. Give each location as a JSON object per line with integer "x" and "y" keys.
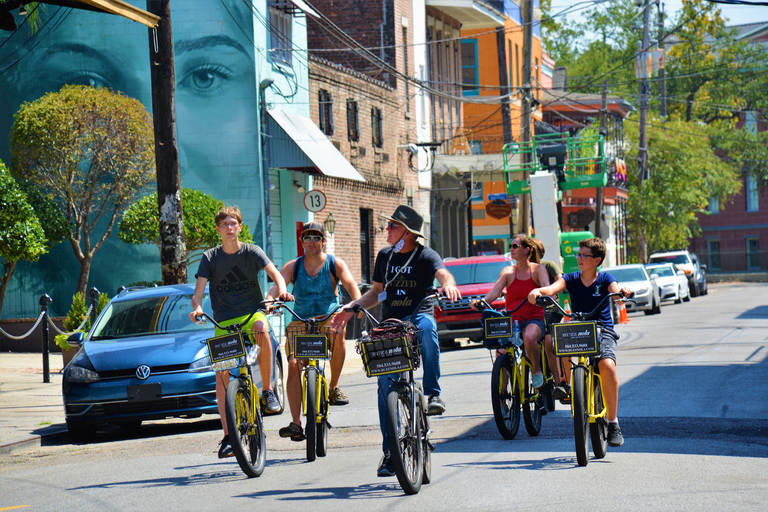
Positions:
{"x": 144, "y": 360}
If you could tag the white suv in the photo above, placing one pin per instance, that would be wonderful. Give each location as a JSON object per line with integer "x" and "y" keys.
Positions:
{"x": 683, "y": 261}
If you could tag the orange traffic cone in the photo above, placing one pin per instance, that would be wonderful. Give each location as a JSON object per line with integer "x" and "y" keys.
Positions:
{"x": 623, "y": 317}
{"x": 567, "y": 308}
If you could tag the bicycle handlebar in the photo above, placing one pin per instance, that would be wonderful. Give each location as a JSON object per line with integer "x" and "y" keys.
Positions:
{"x": 545, "y": 300}
{"x": 307, "y": 321}
{"x": 432, "y": 293}
{"x": 201, "y": 318}
{"x": 482, "y": 304}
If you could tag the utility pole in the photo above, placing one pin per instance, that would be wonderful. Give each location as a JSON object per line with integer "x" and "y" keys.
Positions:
{"x": 525, "y": 121}
{"x": 643, "y": 152}
{"x": 662, "y": 71}
{"x": 173, "y": 242}
{"x": 603, "y": 132}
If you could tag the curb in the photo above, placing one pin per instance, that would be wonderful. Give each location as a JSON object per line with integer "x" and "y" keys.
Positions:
{"x": 23, "y": 444}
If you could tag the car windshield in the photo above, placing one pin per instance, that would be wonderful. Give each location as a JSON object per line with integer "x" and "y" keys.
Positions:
{"x": 150, "y": 315}
{"x": 670, "y": 258}
{"x": 627, "y": 274}
{"x": 476, "y": 273}
{"x": 661, "y": 271}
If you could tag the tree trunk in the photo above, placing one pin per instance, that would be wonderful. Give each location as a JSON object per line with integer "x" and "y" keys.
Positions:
{"x": 85, "y": 271}
{"x": 9, "y": 266}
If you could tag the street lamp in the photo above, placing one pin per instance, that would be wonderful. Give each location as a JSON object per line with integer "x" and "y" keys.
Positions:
{"x": 330, "y": 224}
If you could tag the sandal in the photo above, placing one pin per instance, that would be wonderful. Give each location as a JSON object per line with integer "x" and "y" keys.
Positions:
{"x": 294, "y": 431}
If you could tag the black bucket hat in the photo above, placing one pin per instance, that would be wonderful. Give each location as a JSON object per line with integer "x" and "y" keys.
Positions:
{"x": 409, "y": 218}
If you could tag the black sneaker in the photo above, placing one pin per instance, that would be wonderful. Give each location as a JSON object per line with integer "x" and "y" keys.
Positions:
{"x": 225, "y": 449}
{"x": 293, "y": 431}
{"x": 435, "y": 406}
{"x": 385, "y": 467}
{"x": 270, "y": 401}
{"x": 566, "y": 400}
{"x": 559, "y": 392}
{"x": 614, "y": 435}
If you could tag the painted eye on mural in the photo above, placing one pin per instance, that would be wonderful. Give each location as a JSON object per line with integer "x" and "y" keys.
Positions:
{"x": 205, "y": 80}
{"x": 83, "y": 77}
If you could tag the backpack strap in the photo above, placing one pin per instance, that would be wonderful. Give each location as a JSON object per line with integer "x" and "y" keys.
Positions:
{"x": 333, "y": 268}
{"x": 298, "y": 262}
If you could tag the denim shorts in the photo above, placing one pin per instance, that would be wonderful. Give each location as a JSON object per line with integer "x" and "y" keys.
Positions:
{"x": 609, "y": 342}
{"x": 536, "y": 321}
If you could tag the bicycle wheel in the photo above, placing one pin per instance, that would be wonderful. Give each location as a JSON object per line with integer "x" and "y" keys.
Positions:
{"x": 580, "y": 414}
{"x": 549, "y": 382}
{"x": 322, "y": 426}
{"x": 246, "y": 431}
{"x": 504, "y": 396}
{"x": 426, "y": 446}
{"x": 404, "y": 444}
{"x": 311, "y": 413}
{"x": 532, "y": 404}
{"x": 599, "y": 429}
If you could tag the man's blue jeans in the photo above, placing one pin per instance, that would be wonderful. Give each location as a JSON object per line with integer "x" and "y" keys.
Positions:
{"x": 430, "y": 362}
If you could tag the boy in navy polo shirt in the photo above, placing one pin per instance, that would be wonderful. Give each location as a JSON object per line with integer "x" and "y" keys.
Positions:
{"x": 587, "y": 288}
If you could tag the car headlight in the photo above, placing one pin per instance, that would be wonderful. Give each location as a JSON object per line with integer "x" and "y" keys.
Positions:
{"x": 202, "y": 365}
{"x": 82, "y": 375}
{"x": 642, "y": 290}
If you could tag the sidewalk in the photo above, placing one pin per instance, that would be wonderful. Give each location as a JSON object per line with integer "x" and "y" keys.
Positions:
{"x": 31, "y": 409}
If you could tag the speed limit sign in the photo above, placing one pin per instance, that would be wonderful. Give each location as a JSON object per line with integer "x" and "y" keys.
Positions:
{"x": 314, "y": 201}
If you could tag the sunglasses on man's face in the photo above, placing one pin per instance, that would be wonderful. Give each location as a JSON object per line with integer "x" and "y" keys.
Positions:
{"x": 312, "y": 238}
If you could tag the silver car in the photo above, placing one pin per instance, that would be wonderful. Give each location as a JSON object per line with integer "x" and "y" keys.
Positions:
{"x": 637, "y": 279}
{"x": 673, "y": 284}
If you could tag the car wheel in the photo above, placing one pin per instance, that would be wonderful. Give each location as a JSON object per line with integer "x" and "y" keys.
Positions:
{"x": 694, "y": 289}
{"x": 679, "y": 297}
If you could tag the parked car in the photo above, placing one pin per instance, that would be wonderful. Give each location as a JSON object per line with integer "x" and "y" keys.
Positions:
{"x": 144, "y": 360}
{"x": 475, "y": 276}
{"x": 637, "y": 279}
{"x": 684, "y": 261}
{"x": 701, "y": 274}
{"x": 673, "y": 285}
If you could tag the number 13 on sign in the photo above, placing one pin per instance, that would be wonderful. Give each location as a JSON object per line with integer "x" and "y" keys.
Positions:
{"x": 314, "y": 201}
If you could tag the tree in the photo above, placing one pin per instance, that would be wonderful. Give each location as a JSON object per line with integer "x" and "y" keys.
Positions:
{"x": 21, "y": 234}
{"x": 685, "y": 172}
{"x": 90, "y": 150}
{"x": 140, "y": 224}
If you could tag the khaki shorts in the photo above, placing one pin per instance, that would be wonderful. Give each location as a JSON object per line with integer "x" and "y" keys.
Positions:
{"x": 297, "y": 327}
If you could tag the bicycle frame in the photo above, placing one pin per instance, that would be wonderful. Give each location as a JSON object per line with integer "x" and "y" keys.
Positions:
{"x": 589, "y": 366}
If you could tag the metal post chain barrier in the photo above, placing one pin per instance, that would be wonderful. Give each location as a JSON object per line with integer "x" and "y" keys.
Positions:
{"x": 17, "y": 338}
{"x": 87, "y": 315}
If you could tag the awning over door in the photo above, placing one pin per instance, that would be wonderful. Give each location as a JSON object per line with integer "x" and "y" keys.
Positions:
{"x": 296, "y": 143}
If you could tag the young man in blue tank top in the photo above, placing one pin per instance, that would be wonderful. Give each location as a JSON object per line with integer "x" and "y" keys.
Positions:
{"x": 587, "y": 288}
{"x": 315, "y": 277}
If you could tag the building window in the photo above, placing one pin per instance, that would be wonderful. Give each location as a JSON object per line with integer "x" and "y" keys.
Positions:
{"x": 511, "y": 65}
{"x": 750, "y": 121}
{"x": 469, "y": 75}
{"x": 326, "y": 111}
{"x": 280, "y": 33}
{"x": 753, "y": 253}
{"x": 751, "y": 193}
{"x": 713, "y": 254}
{"x": 353, "y": 126}
{"x": 376, "y": 132}
{"x": 714, "y": 205}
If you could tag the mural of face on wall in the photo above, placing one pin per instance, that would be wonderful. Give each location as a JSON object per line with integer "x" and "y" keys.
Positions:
{"x": 216, "y": 93}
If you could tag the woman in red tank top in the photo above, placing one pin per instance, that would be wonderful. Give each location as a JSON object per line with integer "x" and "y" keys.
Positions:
{"x": 518, "y": 281}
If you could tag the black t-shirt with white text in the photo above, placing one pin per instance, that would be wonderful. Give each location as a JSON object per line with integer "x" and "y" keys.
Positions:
{"x": 406, "y": 289}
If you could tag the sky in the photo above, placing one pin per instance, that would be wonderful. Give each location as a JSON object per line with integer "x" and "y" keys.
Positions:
{"x": 738, "y": 14}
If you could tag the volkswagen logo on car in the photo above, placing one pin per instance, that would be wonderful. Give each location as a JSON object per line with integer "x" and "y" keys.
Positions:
{"x": 142, "y": 371}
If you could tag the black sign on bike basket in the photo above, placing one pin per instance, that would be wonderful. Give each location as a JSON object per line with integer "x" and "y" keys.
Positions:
{"x": 226, "y": 347}
{"x": 576, "y": 339}
{"x": 497, "y": 329}
{"x": 311, "y": 346}
{"x": 385, "y": 356}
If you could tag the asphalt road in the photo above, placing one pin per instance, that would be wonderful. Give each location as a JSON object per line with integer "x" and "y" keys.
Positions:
{"x": 693, "y": 407}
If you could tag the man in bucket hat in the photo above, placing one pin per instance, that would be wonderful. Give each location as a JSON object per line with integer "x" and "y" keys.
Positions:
{"x": 316, "y": 277}
{"x": 402, "y": 274}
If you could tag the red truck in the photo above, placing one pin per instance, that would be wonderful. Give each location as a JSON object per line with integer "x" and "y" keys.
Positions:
{"x": 475, "y": 276}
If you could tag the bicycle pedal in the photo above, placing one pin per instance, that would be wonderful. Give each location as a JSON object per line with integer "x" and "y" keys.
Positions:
{"x": 328, "y": 424}
{"x": 430, "y": 446}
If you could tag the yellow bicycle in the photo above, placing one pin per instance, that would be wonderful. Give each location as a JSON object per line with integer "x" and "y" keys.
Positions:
{"x": 312, "y": 346}
{"x": 236, "y": 351}
{"x": 511, "y": 381}
{"x": 580, "y": 339}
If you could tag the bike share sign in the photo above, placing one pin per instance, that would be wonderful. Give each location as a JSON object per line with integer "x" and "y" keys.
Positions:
{"x": 314, "y": 201}
{"x": 575, "y": 338}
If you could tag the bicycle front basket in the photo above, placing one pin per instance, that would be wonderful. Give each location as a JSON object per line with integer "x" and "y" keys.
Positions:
{"x": 497, "y": 329}
{"x": 310, "y": 346}
{"x": 226, "y": 350}
{"x": 575, "y": 339}
{"x": 391, "y": 347}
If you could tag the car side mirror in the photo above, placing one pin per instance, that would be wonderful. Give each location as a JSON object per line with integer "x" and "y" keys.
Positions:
{"x": 681, "y": 272}
{"x": 654, "y": 276}
{"x": 76, "y": 338}
{"x": 703, "y": 267}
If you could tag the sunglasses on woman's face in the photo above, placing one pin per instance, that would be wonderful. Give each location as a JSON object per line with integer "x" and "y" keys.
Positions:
{"x": 516, "y": 246}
